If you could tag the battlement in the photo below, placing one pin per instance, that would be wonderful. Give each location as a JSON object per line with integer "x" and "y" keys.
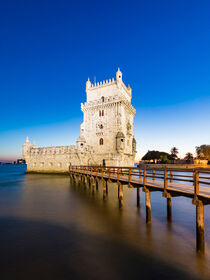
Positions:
{"x": 52, "y": 150}
{"x": 107, "y": 88}
{"x": 102, "y": 83}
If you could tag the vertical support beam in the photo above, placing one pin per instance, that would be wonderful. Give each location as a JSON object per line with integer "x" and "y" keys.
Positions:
{"x": 106, "y": 186}
{"x": 93, "y": 185}
{"x": 118, "y": 190}
{"x": 109, "y": 173}
{"x": 85, "y": 181}
{"x": 145, "y": 178}
{"x": 118, "y": 174}
{"x": 104, "y": 189}
{"x": 138, "y": 196}
{"x": 171, "y": 176}
{"x": 129, "y": 178}
{"x": 89, "y": 179}
{"x": 96, "y": 183}
{"x": 196, "y": 183}
{"x": 165, "y": 180}
{"x": 140, "y": 173}
{"x": 120, "y": 186}
{"x": 169, "y": 209}
{"x": 200, "y": 240}
{"x": 148, "y": 207}
{"x": 153, "y": 175}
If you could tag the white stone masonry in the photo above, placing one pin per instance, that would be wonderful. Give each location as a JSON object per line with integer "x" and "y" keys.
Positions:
{"x": 106, "y": 134}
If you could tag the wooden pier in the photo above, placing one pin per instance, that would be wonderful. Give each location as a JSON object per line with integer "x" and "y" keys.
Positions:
{"x": 191, "y": 183}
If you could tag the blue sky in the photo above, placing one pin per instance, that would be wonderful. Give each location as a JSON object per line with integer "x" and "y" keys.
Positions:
{"x": 48, "y": 49}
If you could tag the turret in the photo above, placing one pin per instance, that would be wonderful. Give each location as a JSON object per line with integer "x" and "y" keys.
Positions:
{"x": 88, "y": 84}
{"x": 26, "y": 147}
{"x": 120, "y": 142}
{"x": 119, "y": 76}
{"x": 81, "y": 144}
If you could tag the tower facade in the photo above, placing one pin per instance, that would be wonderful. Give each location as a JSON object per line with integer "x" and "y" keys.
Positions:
{"x": 106, "y": 134}
{"x": 109, "y": 122}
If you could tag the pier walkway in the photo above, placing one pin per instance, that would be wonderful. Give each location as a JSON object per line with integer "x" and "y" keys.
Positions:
{"x": 191, "y": 183}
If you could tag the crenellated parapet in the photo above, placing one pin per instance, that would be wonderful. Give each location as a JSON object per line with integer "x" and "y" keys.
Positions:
{"x": 102, "y": 83}
{"x": 53, "y": 150}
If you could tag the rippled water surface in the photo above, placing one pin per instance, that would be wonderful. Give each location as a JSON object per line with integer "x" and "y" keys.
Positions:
{"x": 50, "y": 229}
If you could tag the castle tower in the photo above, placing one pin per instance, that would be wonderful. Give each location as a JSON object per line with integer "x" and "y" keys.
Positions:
{"x": 108, "y": 122}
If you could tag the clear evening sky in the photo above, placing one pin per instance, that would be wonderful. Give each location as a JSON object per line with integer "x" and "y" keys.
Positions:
{"x": 48, "y": 49}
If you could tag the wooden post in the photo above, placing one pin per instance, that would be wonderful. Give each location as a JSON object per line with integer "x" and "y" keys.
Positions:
{"x": 171, "y": 176}
{"x": 118, "y": 174}
{"x": 93, "y": 185}
{"x": 89, "y": 182}
{"x": 169, "y": 209}
{"x": 145, "y": 178}
{"x": 129, "y": 178}
{"x": 138, "y": 196}
{"x": 148, "y": 207}
{"x": 165, "y": 180}
{"x": 96, "y": 183}
{"x": 85, "y": 181}
{"x": 109, "y": 173}
{"x": 106, "y": 186}
{"x": 200, "y": 241}
{"x": 104, "y": 189}
{"x": 120, "y": 195}
{"x": 153, "y": 175}
{"x": 140, "y": 173}
{"x": 102, "y": 172}
{"x": 196, "y": 183}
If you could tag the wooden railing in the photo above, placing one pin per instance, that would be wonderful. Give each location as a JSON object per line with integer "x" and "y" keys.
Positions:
{"x": 196, "y": 177}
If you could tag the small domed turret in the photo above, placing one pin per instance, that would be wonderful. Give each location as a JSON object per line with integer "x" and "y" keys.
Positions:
{"x": 119, "y": 75}
{"x": 120, "y": 141}
{"x": 88, "y": 84}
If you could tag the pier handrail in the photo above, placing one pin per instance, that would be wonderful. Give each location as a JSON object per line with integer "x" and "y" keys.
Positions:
{"x": 196, "y": 176}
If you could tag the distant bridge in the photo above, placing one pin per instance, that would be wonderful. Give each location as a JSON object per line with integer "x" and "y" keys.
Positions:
{"x": 172, "y": 182}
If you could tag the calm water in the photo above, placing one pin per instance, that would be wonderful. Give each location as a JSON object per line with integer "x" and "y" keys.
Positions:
{"x": 50, "y": 229}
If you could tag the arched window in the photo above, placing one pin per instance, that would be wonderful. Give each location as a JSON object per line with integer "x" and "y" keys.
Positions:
{"x": 102, "y": 113}
{"x": 101, "y": 141}
{"x": 102, "y": 98}
{"x": 101, "y": 126}
{"x": 99, "y": 113}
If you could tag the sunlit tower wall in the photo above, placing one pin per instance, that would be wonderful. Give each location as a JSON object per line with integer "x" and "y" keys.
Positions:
{"x": 108, "y": 124}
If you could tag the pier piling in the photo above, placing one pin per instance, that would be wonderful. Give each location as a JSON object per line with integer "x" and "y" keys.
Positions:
{"x": 169, "y": 209}
{"x": 148, "y": 206}
{"x": 138, "y": 196}
{"x": 120, "y": 186}
{"x": 200, "y": 242}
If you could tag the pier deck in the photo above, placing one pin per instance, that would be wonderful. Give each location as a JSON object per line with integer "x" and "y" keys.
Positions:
{"x": 191, "y": 183}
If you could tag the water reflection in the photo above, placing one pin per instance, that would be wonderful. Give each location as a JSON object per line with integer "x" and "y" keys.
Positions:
{"x": 51, "y": 229}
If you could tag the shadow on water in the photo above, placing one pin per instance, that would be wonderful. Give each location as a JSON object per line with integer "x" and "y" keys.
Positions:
{"x": 46, "y": 251}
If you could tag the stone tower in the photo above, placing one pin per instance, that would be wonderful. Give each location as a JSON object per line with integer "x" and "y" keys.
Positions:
{"x": 108, "y": 123}
{"x": 106, "y": 134}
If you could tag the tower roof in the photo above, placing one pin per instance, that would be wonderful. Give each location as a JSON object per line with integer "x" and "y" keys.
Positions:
{"x": 27, "y": 140}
